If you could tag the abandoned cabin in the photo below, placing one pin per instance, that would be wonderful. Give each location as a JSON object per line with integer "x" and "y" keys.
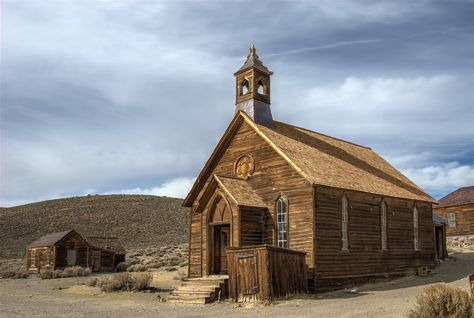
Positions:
{"x": 60, "y": 250}
{"x": 458, "y": 209}
{"x": 279, "y": 210}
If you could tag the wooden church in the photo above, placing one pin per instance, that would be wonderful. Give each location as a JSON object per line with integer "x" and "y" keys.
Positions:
{"x": 272, "y": 193}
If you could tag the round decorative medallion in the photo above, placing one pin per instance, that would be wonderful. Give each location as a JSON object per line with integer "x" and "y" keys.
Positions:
{"x": 244, "y": 166}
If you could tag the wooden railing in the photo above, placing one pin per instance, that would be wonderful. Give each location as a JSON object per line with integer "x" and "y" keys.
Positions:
{"x": 264, "y": 273}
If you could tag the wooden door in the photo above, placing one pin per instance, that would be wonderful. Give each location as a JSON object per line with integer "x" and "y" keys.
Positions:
{"x": 96, "y": 261}
{"x": 221, "y": 243}
{"x": 247, "y": 276}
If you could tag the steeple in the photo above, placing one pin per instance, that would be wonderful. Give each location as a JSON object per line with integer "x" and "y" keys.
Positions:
{"x": 253, "y": 89}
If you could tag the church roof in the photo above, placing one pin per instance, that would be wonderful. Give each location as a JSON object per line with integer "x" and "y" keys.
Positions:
{"x": 460, "y": 196}
{"x": 240, "y": 191}
{"x": 323, "y": 160}
{"x": 254, "y": 62}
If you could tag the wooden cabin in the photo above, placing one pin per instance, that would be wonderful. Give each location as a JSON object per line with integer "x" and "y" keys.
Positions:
{"x": 458, "y": 209}
{"x": 108, "y": 253}
{"x": 60, "y": 250}
{"x": 353, "y": 215}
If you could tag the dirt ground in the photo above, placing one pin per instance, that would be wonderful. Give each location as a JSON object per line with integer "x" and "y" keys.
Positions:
{"x": 67, "y": 298}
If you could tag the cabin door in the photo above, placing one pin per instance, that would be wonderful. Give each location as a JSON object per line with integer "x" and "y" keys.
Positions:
{"x": 221, "y": 243}
{"x": 95, "y": 261}
{"x": 439, "y": 242}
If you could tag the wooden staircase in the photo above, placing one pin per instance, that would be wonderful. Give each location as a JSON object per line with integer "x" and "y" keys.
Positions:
{"x": 201, "y": 290}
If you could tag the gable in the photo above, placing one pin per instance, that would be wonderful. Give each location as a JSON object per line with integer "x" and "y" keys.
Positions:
{"x": 320, "y": 159}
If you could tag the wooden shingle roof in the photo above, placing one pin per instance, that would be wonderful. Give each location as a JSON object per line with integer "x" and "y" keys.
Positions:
{"x": 49, "y": 239}
{"x": 328, "y": 161}
{"x": 460, "y": 196}
{"x": 240, "y": 191}
{"x": 108, "y": 243}
{"x": 322, "y": 160}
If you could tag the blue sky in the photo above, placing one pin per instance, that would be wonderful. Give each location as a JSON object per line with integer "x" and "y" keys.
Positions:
{"x": 132, "y": 96}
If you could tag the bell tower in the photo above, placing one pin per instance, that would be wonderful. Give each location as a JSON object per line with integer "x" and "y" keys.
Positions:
{"x": 253, "y": 90}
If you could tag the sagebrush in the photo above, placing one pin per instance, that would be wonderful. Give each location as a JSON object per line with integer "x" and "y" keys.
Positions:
{"x": 73, "y": 271}
{"x": 442, "y": 301}
{"x": 125, "y": 282}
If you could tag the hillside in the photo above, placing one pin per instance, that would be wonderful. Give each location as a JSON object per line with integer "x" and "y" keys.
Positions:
{"x": 138, "y": 220}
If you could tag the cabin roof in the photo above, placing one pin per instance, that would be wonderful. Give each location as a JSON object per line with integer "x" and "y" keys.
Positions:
{"x": 240, "y": 191}
{"x": 108, "y": 243}
{"x": 438, "y": 219}
{"x": 322, "y": 160}
{"x": 460, "y": 196}
{"x": 49, "y": 239}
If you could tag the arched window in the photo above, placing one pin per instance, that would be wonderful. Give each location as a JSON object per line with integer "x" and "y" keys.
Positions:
{"x": 344, "y": 223}
{"x": 244, "y": 88}
{"x": 415, "y": 229}
{"x": 383, "y": 225}
{"x": 282, "y": 222}
{"x": 260, "y": 87}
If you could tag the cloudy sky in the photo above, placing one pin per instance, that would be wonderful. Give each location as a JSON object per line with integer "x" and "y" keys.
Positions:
{"x": 132, "y": 96}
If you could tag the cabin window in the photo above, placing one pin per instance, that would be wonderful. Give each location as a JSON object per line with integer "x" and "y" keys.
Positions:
{"x": 383, "y": 225}
{"x": 71, "y": 257}
{"x": 344, "y": 224}
{"x": 282, "y": 222}
{"x": 451, "y": 219}
{"x": 415, "y": 228}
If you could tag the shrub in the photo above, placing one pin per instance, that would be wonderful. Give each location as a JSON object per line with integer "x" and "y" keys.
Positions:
{"x": 91, "y": 281}
{"x": 136, "y": 268}
{"x": 442, "y": 300}
{"x": 13, "y": 274}
{"x": 125, "y": 282}
{"x": 76, "y": 271}
{"x": 122, "y": 267}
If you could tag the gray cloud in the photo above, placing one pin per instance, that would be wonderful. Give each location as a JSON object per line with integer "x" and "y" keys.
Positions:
{"x": 119, "y": 96}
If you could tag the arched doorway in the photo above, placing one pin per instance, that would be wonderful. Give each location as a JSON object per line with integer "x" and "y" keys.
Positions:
{"x": 220, "y": 235}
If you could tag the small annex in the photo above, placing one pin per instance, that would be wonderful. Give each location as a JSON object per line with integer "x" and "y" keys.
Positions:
{"x": 68, "y": 248}
{"x": 458, "y": 209}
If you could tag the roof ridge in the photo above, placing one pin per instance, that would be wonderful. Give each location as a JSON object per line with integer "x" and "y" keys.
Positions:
{"x": 315, "y": 132}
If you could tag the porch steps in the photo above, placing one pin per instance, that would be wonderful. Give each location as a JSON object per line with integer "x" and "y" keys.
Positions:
{"x": 200, "y": 290}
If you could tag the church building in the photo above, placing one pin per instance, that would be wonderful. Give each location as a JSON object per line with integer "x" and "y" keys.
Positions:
{"x": 351, "y": 214}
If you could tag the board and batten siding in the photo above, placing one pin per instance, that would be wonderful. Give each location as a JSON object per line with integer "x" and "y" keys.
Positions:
{"x": 273, "y": 175}
{"x": 365, "y": 257}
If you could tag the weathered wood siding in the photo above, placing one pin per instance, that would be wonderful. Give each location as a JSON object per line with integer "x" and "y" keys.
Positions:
{"x": 73, "y": 242}
{"x": 335, "y": 267}
{"x": 264, "y": 273}
{"x": 195, "y": 245}
{"x": 464, "y": 218}
{"x": 272, "y": 176}
{"x": 252, "y": 223}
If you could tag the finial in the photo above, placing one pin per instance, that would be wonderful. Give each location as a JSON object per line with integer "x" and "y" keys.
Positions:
{"x": 252, "y": 51}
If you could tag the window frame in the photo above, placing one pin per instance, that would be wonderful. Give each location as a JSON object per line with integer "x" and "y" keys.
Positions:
{"x": 285, "y": 222}
{"x": 416, "y": 228}
{"x": 344, "y": 223}
{"x": 451, "y": 221}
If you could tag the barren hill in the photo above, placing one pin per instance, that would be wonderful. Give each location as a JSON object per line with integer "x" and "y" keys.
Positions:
{"x": 138, "y": 220}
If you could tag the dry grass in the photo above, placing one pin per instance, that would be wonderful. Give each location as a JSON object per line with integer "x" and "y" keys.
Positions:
{"x": 128, "y": 217}
{"x": 73, "y": 271}
{"x": 125, "y": 282}
{"x": 9, "y": 273}
{"x": 136, "y": 268}
{"x": 442, "y": 301}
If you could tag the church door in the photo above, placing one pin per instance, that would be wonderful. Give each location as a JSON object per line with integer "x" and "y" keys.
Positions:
{"x": 220, "y": 230}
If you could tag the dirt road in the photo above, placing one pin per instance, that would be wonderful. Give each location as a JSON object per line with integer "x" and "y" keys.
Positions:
{"x": 45, "y": 298}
